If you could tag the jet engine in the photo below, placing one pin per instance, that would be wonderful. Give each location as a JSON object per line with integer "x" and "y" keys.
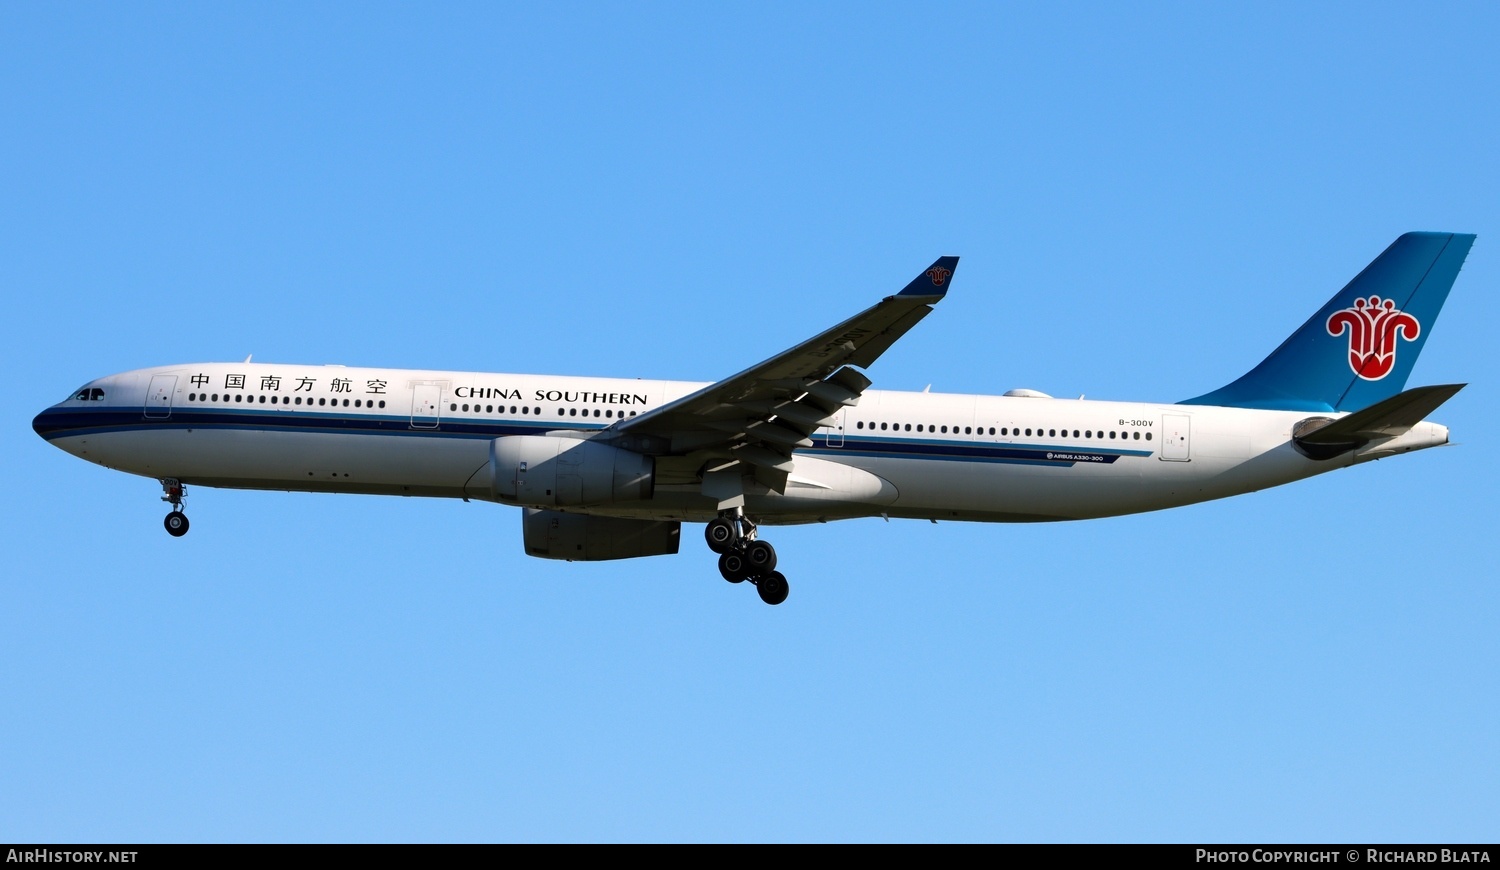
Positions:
{"x": 546, "y": 471}
{"x": 584, "y": 538}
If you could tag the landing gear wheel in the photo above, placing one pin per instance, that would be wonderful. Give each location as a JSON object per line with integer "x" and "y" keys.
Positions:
{"x": 722, "y": 535}
{"x": 772, "y": 587}
{"x": 761, "y": 557}
{"x": 176, "y": 523}
{"x": 732, "y": 566}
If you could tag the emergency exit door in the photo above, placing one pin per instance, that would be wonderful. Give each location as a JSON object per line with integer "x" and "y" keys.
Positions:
{"x": 426, "y": 406}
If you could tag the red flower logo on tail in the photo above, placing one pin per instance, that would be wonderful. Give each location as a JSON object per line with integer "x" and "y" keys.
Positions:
{"x": 939, "y": 275}
{"x": 1373, "y": 325}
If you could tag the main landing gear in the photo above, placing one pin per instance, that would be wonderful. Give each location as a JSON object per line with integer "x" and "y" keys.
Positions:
{"x": 176, "y": 521}
{"x": 742, "y": 557}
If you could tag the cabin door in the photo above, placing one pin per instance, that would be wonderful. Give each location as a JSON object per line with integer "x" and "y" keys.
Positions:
{"x": 159, "y": 396}
{"x": 1175, "y": 437}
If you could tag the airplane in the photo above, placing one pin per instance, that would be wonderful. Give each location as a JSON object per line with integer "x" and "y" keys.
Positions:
{"x": 610, "y": 468}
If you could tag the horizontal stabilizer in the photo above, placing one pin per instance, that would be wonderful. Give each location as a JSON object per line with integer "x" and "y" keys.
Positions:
{"x": 1387, "y": 419}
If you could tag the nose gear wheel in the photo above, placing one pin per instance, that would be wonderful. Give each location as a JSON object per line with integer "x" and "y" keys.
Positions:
{"x": 173, "y": 492}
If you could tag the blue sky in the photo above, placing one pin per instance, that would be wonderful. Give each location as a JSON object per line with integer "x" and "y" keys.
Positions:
{"x": 1147, "y": 199}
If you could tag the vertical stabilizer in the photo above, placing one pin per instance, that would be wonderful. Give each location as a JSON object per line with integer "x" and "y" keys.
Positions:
{"x": 1360, "y": 348}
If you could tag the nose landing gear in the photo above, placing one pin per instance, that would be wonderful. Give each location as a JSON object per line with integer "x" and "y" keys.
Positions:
{"x": 176, "y": 522}
{"x": 744, "y": 557}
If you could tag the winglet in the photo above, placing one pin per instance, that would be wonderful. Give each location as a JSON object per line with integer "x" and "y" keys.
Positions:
{"x": 933, "y": 281}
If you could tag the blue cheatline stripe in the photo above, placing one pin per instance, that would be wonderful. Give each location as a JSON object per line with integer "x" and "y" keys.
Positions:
{"x": 68, "y": 423}
{"x": 920, "y": 445}
{"x": 836, "y": 451}
{"x": 61, "y": 423}
{"x": 971, "y": 451}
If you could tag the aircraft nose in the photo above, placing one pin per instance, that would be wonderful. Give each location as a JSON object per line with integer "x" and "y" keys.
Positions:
{"x": 45, "y": 422}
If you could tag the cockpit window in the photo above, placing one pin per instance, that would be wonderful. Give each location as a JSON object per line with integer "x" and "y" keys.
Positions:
{"x": 89, "y": 394}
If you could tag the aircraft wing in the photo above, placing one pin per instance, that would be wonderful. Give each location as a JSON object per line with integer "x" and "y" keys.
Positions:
{"x": 761, "y": 415}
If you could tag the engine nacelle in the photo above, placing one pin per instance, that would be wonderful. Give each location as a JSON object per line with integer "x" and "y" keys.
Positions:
{"x": 584, "y": 538}
{"x": 547, "y": 471}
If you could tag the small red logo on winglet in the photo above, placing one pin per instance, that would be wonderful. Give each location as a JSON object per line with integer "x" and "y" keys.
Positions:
{"x": 939, "y": 275}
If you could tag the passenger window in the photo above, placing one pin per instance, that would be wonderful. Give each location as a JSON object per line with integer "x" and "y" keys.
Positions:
{"x": 572, "y": 412}
{"x": 1148, "y": 436}
{"x": 1136, "y": 436}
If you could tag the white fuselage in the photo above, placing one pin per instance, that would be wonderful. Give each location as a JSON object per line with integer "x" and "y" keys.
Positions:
{"x": 925, "y": 455}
